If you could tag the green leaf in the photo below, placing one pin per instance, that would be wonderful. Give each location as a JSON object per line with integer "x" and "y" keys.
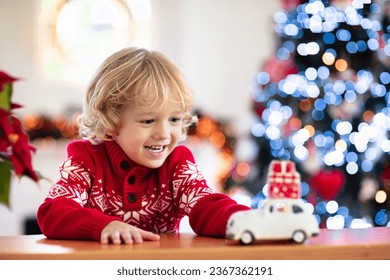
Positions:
{"x": 5, "y": 97}
{"x": 5, "y": 182}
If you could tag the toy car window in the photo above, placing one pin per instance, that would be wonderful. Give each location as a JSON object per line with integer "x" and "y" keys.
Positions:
{"x": 297, "y": 209}
{"x": 261, "y": 204}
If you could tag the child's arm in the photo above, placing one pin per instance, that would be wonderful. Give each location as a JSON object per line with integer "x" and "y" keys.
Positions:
{"x": 208, "y": 211}
{"x": 210, "y": 214}
{"x": 77, "y": 222}
{"x": 64, "y": 218}
{"x": 63, "y": 214}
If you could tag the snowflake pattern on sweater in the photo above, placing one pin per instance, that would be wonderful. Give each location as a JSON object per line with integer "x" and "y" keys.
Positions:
{"x": 157, "y": 212}
{"x": 99, "y": 184}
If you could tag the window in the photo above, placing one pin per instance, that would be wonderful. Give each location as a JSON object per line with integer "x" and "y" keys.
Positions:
{"x": 76, "y": 35}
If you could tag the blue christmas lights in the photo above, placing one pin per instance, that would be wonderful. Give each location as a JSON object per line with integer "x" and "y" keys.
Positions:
{"x": 316, "y": 83}
{"x": 339, "y": 92}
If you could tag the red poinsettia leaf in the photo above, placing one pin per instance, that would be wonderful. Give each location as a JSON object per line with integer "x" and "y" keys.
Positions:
{"x": 22, "y": 149}
{"x": 6, "y": 79}
{"x": 18, "y": 140}
{"x": 3, "y": 145}
{"x": 16, "y": 106}
{"x": 32, "y": 148}
{"x": 4, "y": 122}
{"x": 20, "y": 168}
{"x": 15, "y": 149}
{"x": 17, "y": 165}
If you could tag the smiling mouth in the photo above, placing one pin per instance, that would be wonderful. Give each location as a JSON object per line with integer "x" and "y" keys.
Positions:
{"x": 155, "y": 149}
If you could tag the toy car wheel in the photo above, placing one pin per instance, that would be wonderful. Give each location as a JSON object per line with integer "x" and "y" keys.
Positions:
{"x": 299, "y": 236}
{"x": 246, "y": 238}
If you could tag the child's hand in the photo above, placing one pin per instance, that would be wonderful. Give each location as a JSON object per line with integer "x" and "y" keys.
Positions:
{"x": 117, "y": 232}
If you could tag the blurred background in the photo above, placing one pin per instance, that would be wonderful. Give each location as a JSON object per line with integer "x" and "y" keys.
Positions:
{"x": 305, "y": 81}
{"x": 53, "y": 46}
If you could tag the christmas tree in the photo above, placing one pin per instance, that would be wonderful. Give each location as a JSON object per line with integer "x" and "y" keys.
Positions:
{"x": 322, "y": 101}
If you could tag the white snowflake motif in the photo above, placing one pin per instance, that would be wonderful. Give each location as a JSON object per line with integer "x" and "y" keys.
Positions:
{"x": 131, "y": 217}
{"x": 71, "y": 171}
{"x": 134, "y": 217}
{"x": 115, "y": 202}
{"x": 58, "y": 191}
{"x": 80, "y": 196}
{"x": 188, "y": 201}
{"x": 67, "y": 169}
{"x": 99, "y": 199}
{"x": 193, "y": 172}
{"x": 161, "y": 205}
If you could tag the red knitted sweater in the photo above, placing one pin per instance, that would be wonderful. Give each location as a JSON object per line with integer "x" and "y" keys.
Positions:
{"x": 99, "y": 184}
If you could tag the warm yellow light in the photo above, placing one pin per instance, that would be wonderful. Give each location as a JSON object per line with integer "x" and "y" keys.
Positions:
{"x": 305, "y": 105}
{"x": 295, "y": 123}
{"x": 341, "y": 145}
{"x": 32, "y": 121}
{"x": 380, "y": 196}
{"x": 310, "y": 129}
{"x": 341, "y": 65}
{"x": 205, "y": 127}
{"x": 328, "y": 58}
{"x": 368, "y": 115}
{"x": 243, "y": 169}
{"x": 217, "y": 139}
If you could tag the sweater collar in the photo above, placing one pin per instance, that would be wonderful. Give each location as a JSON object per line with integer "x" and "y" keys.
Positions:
{"x": 120, "y": 161}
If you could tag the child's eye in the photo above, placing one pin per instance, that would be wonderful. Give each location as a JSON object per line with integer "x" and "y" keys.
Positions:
{"x": 175, "y": 119}
{"x": 147, "y": 121}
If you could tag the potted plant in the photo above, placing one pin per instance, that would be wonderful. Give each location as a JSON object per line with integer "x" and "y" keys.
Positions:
{"x": 15, "y": 148}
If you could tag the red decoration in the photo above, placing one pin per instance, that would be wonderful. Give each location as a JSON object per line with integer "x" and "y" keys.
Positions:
{"x": 328, "y": 183}
{"x": 283, "y": 180}
{"x": 290, "y": 4}
{"x": 385, "y": 177}
{"x": 279, "y": 69}
{"x": 259, "y": 109}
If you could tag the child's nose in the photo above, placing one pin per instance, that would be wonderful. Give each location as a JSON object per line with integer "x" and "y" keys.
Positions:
{"x": 162, "y": 131}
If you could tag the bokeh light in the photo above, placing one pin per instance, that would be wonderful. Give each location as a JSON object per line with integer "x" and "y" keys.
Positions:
{"x": 337, "y": 91}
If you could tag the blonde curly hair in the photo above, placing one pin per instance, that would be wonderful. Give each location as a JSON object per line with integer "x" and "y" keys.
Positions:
{"x": 131, "y": 76}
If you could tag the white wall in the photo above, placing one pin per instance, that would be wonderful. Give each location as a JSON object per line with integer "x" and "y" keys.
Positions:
{"x": 19, "y": 54}
{"x": 218, "y": 44}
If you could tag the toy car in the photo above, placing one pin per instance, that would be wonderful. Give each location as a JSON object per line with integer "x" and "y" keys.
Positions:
{"x": 276, "y": 219}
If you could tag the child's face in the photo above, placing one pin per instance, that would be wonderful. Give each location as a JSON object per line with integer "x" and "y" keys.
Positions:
{"x": 148, "y": 135}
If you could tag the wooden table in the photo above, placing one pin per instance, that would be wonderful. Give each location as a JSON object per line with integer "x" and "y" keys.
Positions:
{"x": 351, "y": 244}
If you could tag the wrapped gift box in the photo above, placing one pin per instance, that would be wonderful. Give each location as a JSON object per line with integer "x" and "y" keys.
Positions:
{"x": 283, "y": 180}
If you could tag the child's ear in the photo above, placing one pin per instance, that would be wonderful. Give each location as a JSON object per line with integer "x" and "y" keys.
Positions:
{"x": 112, "y": 133}
{"x": 109, "y": 135}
